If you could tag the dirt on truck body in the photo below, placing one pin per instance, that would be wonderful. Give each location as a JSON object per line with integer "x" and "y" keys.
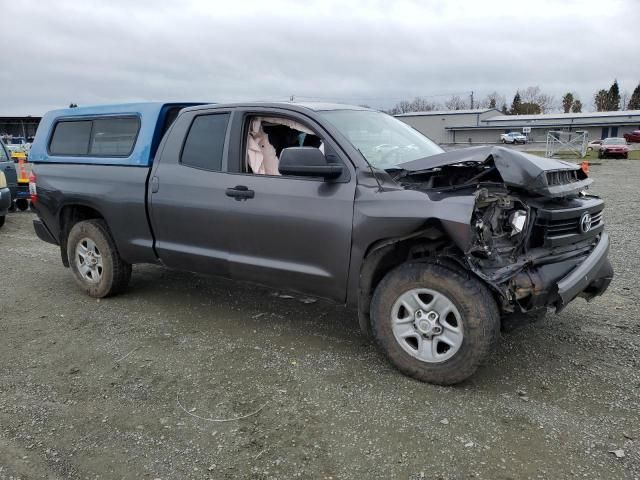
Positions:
{"x": 432, "y": 249}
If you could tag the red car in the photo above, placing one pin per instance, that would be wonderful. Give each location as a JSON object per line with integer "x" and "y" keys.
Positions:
{"x": 632, "y": 137}
{"x": 613, "y": 147}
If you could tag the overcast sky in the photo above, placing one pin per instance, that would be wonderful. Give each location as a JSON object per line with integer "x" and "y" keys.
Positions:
{"x": 371, "y": 52}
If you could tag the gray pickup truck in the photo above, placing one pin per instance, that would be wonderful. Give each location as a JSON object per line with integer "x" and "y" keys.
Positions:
{"x": 432, "y": 248}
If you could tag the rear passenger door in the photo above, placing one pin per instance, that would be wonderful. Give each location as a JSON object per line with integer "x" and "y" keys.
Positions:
{"x": 188, "y": 206}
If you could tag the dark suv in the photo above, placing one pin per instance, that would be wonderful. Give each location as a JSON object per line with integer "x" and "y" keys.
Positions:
{"x": 8, "y": 168}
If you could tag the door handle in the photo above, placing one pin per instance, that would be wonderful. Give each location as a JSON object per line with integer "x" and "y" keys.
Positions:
{"x": 155, "y": 185}
{"x": 240, "y": 192}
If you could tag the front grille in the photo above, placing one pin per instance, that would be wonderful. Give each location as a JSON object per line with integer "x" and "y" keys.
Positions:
{"x": 557, "y": 228}
{"x": 562, "y": 177}
{"x": 561, "y": 226}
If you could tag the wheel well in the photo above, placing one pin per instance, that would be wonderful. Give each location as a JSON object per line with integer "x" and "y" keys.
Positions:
{"x": 384, "y": 256}
{"x": 69, "y": 216}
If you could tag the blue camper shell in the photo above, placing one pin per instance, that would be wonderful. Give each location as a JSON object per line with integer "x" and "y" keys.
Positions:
{"x": 154, "y": 119}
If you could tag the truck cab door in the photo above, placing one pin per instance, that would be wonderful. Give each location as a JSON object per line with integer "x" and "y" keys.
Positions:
{"x": 186, "y": 194}
{"x": 292, "y": 233}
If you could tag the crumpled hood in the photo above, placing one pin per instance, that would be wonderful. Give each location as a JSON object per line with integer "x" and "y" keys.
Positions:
{"x": 517, "y": 169}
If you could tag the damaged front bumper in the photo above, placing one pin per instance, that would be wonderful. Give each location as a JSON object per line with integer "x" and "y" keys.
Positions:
{"x": 556, "y": 281}
{"x": 590, "y": 278}
{"x": 543, "y": 279}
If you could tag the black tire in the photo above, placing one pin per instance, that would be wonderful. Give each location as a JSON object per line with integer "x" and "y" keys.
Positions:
{"x": 477, "y": 308}
{"x": 2, "y": 220}
{"x": 115, "y": 273}
{"x": 22, "y": 204}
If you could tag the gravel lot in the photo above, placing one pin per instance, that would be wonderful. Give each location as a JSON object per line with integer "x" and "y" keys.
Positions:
{"x": 136, "y": 386}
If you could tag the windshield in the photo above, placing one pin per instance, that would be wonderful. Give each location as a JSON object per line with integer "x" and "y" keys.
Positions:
{"x": 383, "y": 140}
{"x": 615, "y": 141}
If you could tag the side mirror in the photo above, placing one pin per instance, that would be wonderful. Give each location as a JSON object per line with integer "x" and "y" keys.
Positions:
{"x": 307, "y": 162}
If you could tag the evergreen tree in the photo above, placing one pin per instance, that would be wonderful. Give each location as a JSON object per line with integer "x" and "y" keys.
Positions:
{"x": 634, "y": 101}
{"x": 504, "y": 109}
{"x": 567, "y": 102}
{"x": 600, "y": 100}
{"x": 530, "y": 108}
{"x": 577, "y": 106}
{"x": 613, "y": 97}
{"x": 516, "y": 105}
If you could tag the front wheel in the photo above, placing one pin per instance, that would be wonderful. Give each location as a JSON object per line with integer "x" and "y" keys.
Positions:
{"x": 94, "y": 260}
{"x": 434, "y": 324}
{"x": 2, "y": 219}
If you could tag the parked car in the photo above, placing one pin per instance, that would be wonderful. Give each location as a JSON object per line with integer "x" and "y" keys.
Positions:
{"x": 632, "y": 137}
{"x": 430, "y": 248}
{"x": 513, "y": 137}
{"x": 594, "y": 145}
{"x": 8, "y": 168}
{"x": 613, "y": 147}
{"x": 16, "y": 145}
{"x": 5, "y": 198}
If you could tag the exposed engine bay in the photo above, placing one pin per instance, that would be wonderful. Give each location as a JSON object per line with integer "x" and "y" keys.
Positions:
{"x": 532, "y": 222}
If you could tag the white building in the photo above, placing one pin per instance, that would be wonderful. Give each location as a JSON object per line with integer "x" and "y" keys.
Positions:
{"x": 486, "y": 125}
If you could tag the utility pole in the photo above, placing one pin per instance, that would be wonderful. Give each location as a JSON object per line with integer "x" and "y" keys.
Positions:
{"x": 472, "y": 100}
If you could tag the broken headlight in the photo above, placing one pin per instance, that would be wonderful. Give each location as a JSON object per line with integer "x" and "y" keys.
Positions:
{"x": 518, "y": 220}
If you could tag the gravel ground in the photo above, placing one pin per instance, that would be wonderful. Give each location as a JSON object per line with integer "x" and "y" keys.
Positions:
{"x": 138, "y": 386}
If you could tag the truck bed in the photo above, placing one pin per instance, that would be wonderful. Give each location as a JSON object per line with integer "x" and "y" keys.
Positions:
{"x": 116, "y": 191}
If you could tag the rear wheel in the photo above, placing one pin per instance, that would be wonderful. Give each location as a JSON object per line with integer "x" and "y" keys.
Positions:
{"x": 2, "y": 219}
{"x": 434, "y": 324}
{"x": 94, "y": 260}
{"x": 22, "y": 204}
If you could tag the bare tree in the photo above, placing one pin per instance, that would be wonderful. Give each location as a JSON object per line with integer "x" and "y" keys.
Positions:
{"x": 624, "y": 100}
{"x": 456, "y": 103}
{"x": 418, "y": 104}
{"x": 534, "y": 95}
{"x": 493, "y": 100}
{"x": 530, "y": 94}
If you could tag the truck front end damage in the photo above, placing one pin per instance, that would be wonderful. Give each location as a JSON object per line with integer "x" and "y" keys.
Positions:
{"x": 535, "y": 236}
{"x": 539, "y": 253}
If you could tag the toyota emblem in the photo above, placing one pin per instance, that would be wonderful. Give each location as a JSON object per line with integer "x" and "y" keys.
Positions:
{"x": 585, "y": 222}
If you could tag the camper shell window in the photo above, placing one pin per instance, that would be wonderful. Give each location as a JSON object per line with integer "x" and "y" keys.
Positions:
{"x": 95, "y": 137}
